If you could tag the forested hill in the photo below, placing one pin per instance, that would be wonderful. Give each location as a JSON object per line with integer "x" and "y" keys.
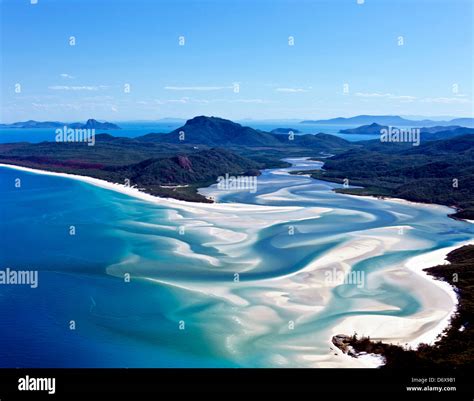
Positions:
{"x": 435, "y": 172}
{"x": 214, "y": 131}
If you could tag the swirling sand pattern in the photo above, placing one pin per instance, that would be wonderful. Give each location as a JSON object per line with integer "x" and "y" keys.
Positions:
{"x": 290, "y": 243}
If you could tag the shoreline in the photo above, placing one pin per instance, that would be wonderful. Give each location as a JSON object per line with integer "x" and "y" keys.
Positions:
{"x": 450, "y": 348}
{"x": 433, "y": 258}
{"x": 417, "y": 265}
{"x": 409, "y": 202}
{"x": 136, "y": 193}
{"x": 121, "y": 188}
{"x": 378, "y": 197}
{"x": 403, "y": 201}
{"x": 341, "y": 191}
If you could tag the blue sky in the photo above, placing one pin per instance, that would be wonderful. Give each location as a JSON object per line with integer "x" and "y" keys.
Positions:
{"x": 408, "y": 57}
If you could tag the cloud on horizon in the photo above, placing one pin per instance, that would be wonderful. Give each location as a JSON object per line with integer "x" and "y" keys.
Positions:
{"x": 76, "y": 88}
{"x": 291, "y": 90}
{"x": 67, "y": 76}
{"x": 197, "y": 88}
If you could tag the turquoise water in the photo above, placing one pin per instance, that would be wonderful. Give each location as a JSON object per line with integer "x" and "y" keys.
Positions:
{"x": 183, "y": 259}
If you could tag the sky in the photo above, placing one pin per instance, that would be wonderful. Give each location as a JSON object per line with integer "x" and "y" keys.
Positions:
{"x": 120, "y": 60}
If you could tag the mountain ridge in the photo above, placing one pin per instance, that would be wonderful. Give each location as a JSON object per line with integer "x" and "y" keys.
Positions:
{"x": 215, "y": 131}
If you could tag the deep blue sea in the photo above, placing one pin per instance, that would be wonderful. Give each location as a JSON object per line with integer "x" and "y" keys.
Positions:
{"x": 211, "y": 285}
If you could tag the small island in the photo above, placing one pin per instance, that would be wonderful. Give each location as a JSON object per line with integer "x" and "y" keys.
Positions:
{"x": 372, "y": 129}
{"x": 89, "y": 124}
{"x": 285, "y": 131}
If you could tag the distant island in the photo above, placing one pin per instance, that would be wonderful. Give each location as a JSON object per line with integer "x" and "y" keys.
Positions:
{"x": 372, "y": 129}
{"x": 390, "y": 120}
{"x": 427, "y": 133}
{"x": 284, "y": 131}
{"x": 89, "y": 124}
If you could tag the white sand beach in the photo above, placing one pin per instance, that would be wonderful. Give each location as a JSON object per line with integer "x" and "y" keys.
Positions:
{"x": 439, "y": 301}
{"x": 305, "y": 292}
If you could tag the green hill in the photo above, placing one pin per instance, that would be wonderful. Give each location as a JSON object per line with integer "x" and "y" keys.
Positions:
{"x": 434, "y": 172}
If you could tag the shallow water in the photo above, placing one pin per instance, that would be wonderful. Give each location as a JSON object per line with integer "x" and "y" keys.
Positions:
{"x": 250, "y": 281}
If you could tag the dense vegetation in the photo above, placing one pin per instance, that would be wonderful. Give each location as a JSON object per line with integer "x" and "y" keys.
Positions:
{"x": 439, "y": 171}
{"x": 154, "y": 162}
{"x": 455, "y": 348}
{"x": 435, "y": 172}
{"x": 154, "y": 175}
{"x": 189, "y": 172}
{"x": 213, "y": 131}
{"x": 372, "y": 129}
{"x": 426, "y": 133}
{"x": 284, "y": 131}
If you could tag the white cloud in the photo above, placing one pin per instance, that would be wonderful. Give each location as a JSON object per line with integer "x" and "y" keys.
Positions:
{"x": 239, "y": 100}
{"x": 375, "y": 94}
{"x": 446, "y": 100}
{"x": 403, "y": 98}
{"x": 197, "y": 88}
{"x": 74, "y": 106}
{"x": 98, "y": 98}
{"x": 56, "y": 106}
{"x": 188, "y": 100}
{"x": 67, "y": 76}
{"x": 458, "y": 99}
{"x": 76, "y": 88}
{"x": 259, "y": 101}
{"x": 291, "y": 90}
{"x": 183, "y": 100}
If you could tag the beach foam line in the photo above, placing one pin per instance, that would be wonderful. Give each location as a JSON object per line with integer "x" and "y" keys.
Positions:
{"x": 136, "y": 193}
{"x": 401, "y": 201}
{"x": 394, "y": 199}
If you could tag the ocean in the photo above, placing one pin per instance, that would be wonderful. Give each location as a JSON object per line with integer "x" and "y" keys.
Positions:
{"x": 256, "y": 280}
